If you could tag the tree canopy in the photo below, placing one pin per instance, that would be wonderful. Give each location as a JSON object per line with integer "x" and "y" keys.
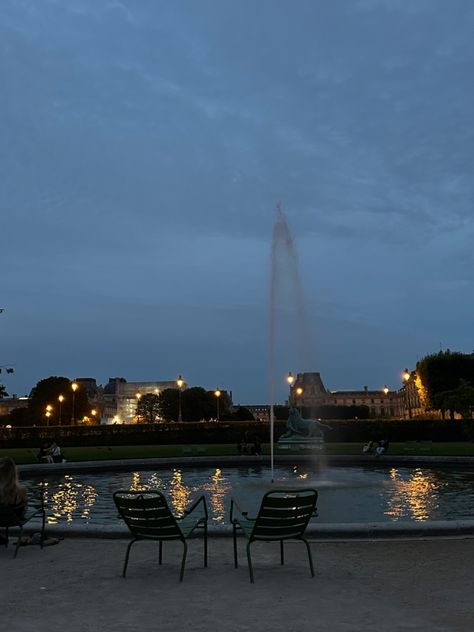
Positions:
{"x": 47, "y": 392}
{"x": 196, "y": 404}
{"x": 148, "y": 408}
{"x": 447, "y": 381}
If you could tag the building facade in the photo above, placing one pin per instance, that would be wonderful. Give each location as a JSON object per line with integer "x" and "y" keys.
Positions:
{"x": 117, "y": 401}
{"x": 308, "y": 391}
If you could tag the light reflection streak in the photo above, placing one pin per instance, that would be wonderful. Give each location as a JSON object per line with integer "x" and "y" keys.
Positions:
{"x": 69, "y": 499}
{"x": 179, "y": 492}
{"x": 218, "y": 489}
{"x": 417, "y": 496}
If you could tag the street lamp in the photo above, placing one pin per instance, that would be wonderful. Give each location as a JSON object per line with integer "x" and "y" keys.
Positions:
{"x": 179, "y": 383}
{"x": 386, "y": 389}
{"x": 290, "y": 378}
{"x": 48, "y": 413}
{"x": 406, "y": 378}
{"x": 217, "y": 393}
{"x": 137, "y": 395}
{"x": 60, "y": 399}
{"x": 74, "y": 387}
{"x": 299, "y": 392}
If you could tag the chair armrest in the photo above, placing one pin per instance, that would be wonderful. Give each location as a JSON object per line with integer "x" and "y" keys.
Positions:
{"x": 234, "y": 503}
{"x": 35, "y": 501}
{"x": 196, "y": 503}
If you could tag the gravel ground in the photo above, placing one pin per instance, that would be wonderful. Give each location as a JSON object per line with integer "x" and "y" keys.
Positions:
{"x": 380, "y": 586}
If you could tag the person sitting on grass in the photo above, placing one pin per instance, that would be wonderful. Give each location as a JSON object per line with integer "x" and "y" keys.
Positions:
{"x": 44, "y": 453}
{"x": 382, "y": 447}
{"x": 56, "y": 453}
{"x": 369, "y": 448}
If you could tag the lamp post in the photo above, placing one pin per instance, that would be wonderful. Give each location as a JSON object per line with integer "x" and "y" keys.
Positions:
{"x": 138, "y": 396}
{"x": 299, "y": 392}
{"x": 60, "y": 400}
{"x": 48, "y": 413}
{"x": 74, "y": 387}
{"x": 386, "y": 389}
{"x": 217, "y": 393}
{"x": 179, "y": 383}
{"x": 94, "y": 413}
{"x": 406, "y": 379}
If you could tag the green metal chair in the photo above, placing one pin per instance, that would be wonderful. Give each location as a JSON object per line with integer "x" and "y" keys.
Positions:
{"x": 148, "y": 517}
{"x": 283, "y": 515}
{"x": 11, "y": 519}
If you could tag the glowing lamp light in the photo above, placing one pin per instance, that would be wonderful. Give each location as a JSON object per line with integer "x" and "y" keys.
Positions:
{"x": 290, "y": 378}
{"x": 386, "y": 389}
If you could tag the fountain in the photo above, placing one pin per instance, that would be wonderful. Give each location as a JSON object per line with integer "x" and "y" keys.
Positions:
{"x": 284, "y": 267}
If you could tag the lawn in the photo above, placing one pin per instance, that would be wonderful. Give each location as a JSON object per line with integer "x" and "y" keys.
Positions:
{"x": 101, "y": 453}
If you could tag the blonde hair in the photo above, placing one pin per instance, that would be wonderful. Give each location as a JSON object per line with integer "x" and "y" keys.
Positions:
{"x": 9, "y": 484}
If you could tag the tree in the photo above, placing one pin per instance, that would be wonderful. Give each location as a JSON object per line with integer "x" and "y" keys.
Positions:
{"x": 460, "y": 399}
{"x": 168, "y": 404}
{"x": 3, "y": 391}
{"x": 47, "y": 392}
{"x": 148, "y": 408}
{"x": 441, "y": 373}
{"x": 196, "y": 404}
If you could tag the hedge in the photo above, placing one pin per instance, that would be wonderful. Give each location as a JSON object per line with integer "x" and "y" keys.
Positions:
{"x": 232, "y": 432}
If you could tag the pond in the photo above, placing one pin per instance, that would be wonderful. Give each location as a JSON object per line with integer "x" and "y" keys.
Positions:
{"x": 346, "y": 494}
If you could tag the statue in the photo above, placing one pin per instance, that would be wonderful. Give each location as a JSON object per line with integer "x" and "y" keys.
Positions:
{"x": 299, "y": 429}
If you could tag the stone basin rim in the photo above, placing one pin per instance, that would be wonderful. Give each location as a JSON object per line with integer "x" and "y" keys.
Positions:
{"x": 323, "y": 531}
{"x": 37, "y": 469}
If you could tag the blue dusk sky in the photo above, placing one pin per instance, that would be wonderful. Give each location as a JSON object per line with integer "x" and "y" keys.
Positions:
{"x": 145, "y": 144}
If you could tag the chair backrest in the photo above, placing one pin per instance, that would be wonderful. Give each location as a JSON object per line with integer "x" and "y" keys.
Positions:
{"x": 147, "y": 514}
{"x": 9, "y": 517}
{"x": 284, "y": 514}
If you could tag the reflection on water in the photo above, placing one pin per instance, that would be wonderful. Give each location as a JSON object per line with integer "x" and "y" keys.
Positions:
{"x": 217, "y": 490}
{"x": 68, "y": 499}
{"x": 345, "y": 494}
{"x": 417, "y": 496}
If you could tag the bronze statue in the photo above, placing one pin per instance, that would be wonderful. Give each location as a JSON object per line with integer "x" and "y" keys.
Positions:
{"x": 299, "y": 429}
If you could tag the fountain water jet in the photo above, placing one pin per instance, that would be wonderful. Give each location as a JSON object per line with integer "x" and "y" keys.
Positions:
{"x": 284, "y": 261}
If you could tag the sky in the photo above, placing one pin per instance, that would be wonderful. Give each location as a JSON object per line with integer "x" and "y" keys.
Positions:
{"x": 145, "y": 145}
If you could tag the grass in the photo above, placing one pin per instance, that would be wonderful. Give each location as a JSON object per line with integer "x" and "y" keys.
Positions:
{"x": 101, "y": 453}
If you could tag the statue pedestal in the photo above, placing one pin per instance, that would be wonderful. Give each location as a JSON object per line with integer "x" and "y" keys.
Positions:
{"x": 298, "y": 445}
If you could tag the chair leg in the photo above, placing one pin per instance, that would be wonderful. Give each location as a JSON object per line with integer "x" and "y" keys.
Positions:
{"x": 183, "y": 561}
{"x": 126, "y": 557}
{"x": 236, "y": 563}
{"x": 43, "y": 524}
{"x": 205, "y": 545}
{"x": 310, "y": 557}
{"x": 160, "y": 555}
{"x": 282, "y": 553}
{"x": 18, "y": 542}
{"x": 249, "y": 559}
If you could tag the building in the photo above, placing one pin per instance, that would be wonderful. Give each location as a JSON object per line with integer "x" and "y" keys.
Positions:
{"x": 308, "y": 391}
{"x": 119, "y": 399}
{"x": 7, "y": 404}
{"x": 260, "y": 412}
